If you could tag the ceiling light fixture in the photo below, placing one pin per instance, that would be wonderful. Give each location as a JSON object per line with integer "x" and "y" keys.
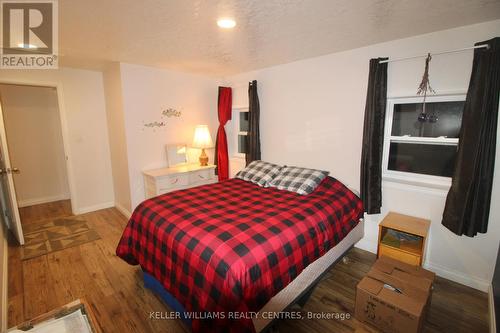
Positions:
{"x": 226, "y": 23}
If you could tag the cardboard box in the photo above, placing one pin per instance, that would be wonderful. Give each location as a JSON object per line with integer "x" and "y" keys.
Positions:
{"x": 394, "y": 296}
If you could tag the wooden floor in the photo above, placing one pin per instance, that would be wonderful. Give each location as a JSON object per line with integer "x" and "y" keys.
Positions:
{"x": 49, "y": 210}
{"x": 115, "y": 292}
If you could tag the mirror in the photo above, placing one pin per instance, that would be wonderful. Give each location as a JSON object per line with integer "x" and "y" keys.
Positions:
{"x": 176, "y": 154}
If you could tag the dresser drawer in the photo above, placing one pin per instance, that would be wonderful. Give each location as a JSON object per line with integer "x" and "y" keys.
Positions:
{"x": 164, "y": 180}
{"x": 201, "y": 176}
{"x": 172, "y": 182}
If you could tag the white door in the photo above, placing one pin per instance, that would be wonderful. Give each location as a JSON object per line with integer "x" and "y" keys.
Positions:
{"x": 8, "y": 201}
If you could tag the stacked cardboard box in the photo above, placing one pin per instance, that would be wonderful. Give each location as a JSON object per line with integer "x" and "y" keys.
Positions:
{"x": 394, "y": 296}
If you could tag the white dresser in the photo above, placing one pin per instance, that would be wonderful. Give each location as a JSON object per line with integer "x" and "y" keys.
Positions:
{"x": 160, "y": 181}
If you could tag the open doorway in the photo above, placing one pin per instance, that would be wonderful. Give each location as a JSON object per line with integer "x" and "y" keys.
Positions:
{"x": 35, "y": 147}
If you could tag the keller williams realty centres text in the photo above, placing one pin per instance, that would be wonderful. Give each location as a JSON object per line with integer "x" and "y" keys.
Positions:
{"x": 291, "y": 315}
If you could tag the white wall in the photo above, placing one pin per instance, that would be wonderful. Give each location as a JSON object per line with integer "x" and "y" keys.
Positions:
{"x": 146, "y": 92}
{"x": 117, "y": 137}
{"x": 312, "y": 115}
{"x": 84, "y": 116}
{"x": 33, "y": 128}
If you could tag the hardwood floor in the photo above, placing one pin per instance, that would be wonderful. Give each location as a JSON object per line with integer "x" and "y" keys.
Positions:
{"x": 45, "y": 211}
{"x": 113, "y": 288}
{"x": 115, "y": 291}
{"x": 454, "y": 308}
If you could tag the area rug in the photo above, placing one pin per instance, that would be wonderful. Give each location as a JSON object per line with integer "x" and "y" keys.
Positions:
{"x": 54, "y": 235}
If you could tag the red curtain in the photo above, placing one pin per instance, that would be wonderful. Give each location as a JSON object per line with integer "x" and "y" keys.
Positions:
{"x": 224, "y": 110}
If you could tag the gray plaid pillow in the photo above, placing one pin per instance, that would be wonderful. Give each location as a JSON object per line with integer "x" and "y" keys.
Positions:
{"x": 300, "y": 180}
{"x": 259, "y": 172}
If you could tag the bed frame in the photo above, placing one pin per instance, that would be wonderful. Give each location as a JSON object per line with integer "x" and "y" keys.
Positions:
{"x": 296, "y": 292}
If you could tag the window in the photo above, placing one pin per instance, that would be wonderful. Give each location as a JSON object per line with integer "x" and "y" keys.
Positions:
{"x": 422, "y": 147}
{"x": 239, "y": 131}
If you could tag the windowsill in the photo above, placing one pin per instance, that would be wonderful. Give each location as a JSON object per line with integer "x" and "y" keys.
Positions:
{"x": 442, "y": 184}
{"x": 238, "y": 157}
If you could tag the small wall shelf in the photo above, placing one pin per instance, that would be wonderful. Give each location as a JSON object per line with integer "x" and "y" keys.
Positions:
{"x": 403, "y": 237}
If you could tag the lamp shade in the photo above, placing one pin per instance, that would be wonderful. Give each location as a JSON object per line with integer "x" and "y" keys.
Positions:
{"x": 202, "y": 138}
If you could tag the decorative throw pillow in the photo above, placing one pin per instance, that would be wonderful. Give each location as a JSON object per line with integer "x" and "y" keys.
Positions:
{"x": 300, "y": 180}
{"x": 259, "y": 172}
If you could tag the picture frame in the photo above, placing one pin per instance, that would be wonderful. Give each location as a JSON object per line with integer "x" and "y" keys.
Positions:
{"x": 176, "y": 154}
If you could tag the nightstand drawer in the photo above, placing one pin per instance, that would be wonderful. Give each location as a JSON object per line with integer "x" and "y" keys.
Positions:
{"x": 201, "y": 176}
{"x": 172, "y": 182}
{"x": 397, "y": 254}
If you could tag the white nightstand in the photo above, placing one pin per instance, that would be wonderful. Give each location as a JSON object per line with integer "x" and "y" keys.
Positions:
{"x": 160, "y": 181}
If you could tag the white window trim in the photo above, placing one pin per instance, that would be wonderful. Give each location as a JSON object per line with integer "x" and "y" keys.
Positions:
{"x": 410, "y": 178}
{"x": 235, "y": 129}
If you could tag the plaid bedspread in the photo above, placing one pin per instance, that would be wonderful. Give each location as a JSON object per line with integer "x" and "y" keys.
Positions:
{"x": 233, "y": 245}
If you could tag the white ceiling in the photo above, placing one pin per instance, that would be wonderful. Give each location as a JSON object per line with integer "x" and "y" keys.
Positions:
{"x": 183, "y": 35}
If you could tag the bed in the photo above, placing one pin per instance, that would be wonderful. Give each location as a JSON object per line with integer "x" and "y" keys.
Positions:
{"x": 233, "y": 248}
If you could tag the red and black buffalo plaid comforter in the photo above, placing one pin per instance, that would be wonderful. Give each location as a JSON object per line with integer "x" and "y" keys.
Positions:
{"x": 233, "y": 245}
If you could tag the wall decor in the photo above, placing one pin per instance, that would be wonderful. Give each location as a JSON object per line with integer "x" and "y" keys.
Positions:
{"x": 423, "y": 89}
{"x": 168, "y": 113}
{"x": 176, "y": 154}
{"x": 154, "y": 124}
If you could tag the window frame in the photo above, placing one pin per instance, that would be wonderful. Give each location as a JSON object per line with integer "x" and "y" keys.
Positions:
{"x": 412, "y": 178}
{"x": 235, "y": 129}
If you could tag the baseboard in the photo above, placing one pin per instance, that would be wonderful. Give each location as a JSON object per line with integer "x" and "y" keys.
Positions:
{"x": 93, "y": 208}
{"x": 366, "y": 245}
{"x": 5, "y": 294}
{"x": 123, "y": 210}
{"x": 491, "y": 307}
{"x": 441, "y": 271}
{"x": 459, "y": 277}
{"x": 38, "y": 201}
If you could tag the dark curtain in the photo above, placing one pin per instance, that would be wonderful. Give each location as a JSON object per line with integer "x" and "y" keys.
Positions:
{"x": 468, "y": 201}
{"x": 221, "y": 158}
{"x": 373, "y": 137}
{"x": 253, "y": 137}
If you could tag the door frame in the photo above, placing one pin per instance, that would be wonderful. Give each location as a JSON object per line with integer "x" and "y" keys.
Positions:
{"x": 16, "y": 219}
{"x": 64, "y": 129}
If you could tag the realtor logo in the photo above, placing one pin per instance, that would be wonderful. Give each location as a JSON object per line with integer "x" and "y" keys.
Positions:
{"x": 28, "y": 34}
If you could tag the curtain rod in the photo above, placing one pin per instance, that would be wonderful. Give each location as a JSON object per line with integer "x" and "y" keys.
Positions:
{"x": 437, "y": 53}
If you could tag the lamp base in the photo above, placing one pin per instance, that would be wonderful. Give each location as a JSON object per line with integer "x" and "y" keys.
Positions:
{"x": 203, "y": 158}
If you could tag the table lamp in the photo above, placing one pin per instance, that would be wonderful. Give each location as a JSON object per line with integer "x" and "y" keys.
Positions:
{"x": 202, "y": 140}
